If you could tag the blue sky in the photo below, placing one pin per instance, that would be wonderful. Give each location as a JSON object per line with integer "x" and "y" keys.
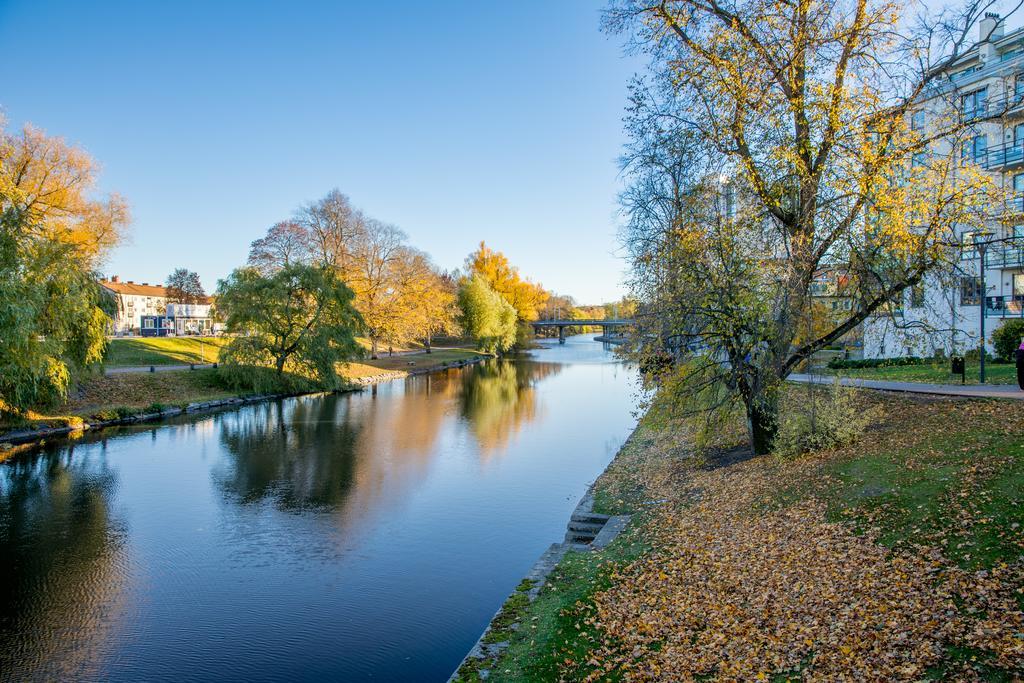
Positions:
{"x": 457, "y": 121}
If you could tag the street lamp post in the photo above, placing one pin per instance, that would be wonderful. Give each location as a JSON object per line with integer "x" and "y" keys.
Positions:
{"x": 982, "y": 246}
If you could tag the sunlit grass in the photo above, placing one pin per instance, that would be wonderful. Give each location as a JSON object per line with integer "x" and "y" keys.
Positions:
{"x": 164, "y": 351}
{"x": 936, "y": 373}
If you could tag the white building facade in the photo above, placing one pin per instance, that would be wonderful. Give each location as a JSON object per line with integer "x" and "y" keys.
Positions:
{"x": 944, "y": 314}
{"x": 145, "y": 309}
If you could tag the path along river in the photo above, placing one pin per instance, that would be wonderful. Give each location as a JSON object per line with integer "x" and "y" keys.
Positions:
{"x": 366, "y": 536}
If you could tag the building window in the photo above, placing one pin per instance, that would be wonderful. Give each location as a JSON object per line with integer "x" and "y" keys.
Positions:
{"x": 917, "y": 295}
{"x": 973, "y": 103}
{"x": 1018, "y": 135}
{"x": 971, "y": 291}
{"x": 147, "y": 323}
{"x": 1018, "y": 87}
{"x": 974, "y": 149}
{"x": 917, "y": 120}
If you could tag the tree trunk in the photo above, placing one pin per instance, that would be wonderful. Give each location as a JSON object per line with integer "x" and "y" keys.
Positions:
{"x": 762, "y": 422}
{"x": 373, "y": 348}
{"x": 427, "y": 344}
{"x": 280, "y": 365}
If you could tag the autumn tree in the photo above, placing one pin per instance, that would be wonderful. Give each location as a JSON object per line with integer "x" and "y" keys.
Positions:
{"x": 298, "y": 320}
{"x": 50, "y": 184}
{"x": 773, "y": 140}
{"x": 494, "y": 267}
{"x": 286, "y": 243}
{"x": 435, "y": 293}
{"x": 486, "y": 316}
{"x": 183, "y": 287}
{"x": 335, "y": 232}
{"x": 381, "y": 264}
{"x": 53, "y": 236}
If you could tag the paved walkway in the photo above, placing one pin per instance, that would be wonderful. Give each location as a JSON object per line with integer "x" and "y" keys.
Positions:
{"x": 156, "y": 368}
{"x": 969, "y": 390}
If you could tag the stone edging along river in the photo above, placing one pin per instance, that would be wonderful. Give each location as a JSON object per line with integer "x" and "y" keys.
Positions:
{"x": 484, "y": 655}
{"x": 18, "y": 440}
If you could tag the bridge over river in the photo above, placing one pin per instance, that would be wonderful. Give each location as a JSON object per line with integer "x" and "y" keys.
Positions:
{"x": 605, "y": 325}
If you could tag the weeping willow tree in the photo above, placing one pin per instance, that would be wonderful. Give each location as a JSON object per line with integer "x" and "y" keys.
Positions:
{"x": 53, "y": 238}
{"x": 772, "y": 143}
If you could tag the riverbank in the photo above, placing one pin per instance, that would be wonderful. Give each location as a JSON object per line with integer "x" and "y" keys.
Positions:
{"x": 125, "y": 398}
{"x": 896, "y": 558}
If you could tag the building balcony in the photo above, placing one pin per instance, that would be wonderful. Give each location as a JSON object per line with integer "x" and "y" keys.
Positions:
{"x": 1013, "y": 205}
{"x": 1009, "y": 256}
{"x": 1003, "y": 104}
{"x": 1011, "y": 306}
{"x": 1005, "y": 156}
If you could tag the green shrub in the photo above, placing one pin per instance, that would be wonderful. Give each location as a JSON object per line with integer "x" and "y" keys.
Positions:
{"x": 257, "y": 379}
{"x": 841, "y": 364}
{"x": 1006, "y": 339}
{"x": 825, "y": 419}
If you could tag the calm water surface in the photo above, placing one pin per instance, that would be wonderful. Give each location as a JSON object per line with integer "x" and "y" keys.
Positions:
{"x": 356, "y": 537}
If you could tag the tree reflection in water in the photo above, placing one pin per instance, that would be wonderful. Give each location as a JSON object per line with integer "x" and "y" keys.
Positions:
{"x": 300, "y": 455}
{"x": 498, "y": 398}
{"x": 64, "y": 572}
{"x": 355, "y": 453}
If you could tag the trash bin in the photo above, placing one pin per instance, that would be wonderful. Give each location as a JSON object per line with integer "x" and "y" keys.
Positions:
{"x": 958, "y": 367}
{"x": 1020, "y": 367}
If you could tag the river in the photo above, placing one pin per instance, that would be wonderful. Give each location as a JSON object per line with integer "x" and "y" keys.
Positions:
{"x": 363, "y": 536}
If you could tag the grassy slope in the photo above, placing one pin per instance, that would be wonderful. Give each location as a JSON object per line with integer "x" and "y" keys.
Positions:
{"x": 180, "y": 350}
{"x": 163, "y": 351}
{"x": 1001, "y": 373}
{"x": 936, "y": 475}
{"x": 105, "y": 396}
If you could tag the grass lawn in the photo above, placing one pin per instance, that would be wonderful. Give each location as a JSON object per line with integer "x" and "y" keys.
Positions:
{"x": 182, "y": 350}
{"x": 163, "y": 351}
{"x": 418, "y": 361}
{"x": 995, "y": 373}
{"x": 112, "y": 396}
{"x": 896, "y": 558}
{"x": 134, "y": 391}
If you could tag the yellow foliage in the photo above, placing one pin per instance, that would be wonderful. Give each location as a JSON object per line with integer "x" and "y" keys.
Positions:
{"x": 50, "y": 181}
{"x": 525, "y": 296}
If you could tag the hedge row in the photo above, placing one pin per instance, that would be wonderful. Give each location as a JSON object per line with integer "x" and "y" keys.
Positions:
{"x": 840, "y": 364}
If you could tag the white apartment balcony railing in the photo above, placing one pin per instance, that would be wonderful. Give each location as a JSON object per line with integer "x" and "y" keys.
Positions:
{"x": 1010, "y": 205}
{"x": 1010, "y": 256}
{"x": 1005, "y": 156}
{"x": 1010, "y": 306}
{"x": 995, "y": 106}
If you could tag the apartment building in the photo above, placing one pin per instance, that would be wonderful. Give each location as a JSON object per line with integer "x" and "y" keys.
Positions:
{"x": 146, "y": 310}
{"x": 944, "y": 313}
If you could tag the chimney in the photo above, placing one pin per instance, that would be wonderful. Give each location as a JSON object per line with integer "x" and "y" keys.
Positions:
{"x": 990, "y": 28}
{"x": 115, "y": 279}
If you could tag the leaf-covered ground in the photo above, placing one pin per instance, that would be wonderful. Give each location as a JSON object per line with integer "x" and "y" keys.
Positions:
{"x": 897, "y": 558}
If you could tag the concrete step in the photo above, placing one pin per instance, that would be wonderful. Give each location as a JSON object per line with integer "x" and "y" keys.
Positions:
{"x": 580, "y": 537}
{"x": 589, "y": 518}
{"x": 586, "y": 527}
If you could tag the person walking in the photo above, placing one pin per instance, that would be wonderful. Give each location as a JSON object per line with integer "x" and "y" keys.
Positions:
{"x": 1020, "y": 364}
